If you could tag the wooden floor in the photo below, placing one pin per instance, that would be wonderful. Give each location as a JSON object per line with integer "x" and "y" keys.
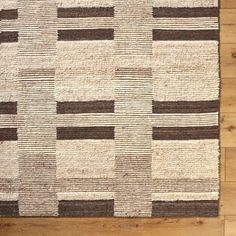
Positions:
{"x": 224, "y": 225}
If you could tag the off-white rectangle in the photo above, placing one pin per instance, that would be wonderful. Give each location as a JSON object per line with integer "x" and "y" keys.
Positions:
{"x": 85, "y": 196}
{"x": 85, "y": 158}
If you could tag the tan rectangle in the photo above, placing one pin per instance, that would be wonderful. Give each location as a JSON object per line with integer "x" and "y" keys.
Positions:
{"x": 9, "y": 196}
{"x": 185, "y": 3}
{"x": 185, "y": 159}
{"x": 8, "y": 159}
{"x": 85, "y": 158}
{"x": 189, "y": 73}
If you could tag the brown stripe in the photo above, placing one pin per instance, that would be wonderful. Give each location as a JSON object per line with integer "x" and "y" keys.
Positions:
{"x": 86, "y": 208}
{"x": 85, "y": 107}
{"x": 185, "y": 208}
{"x": 9, "y": 208}
{"x": 185, "y": 107}
{"x": 8, "y": 134}
{"x": 185, "y": 34}
{"x": 85, "y": 34}
{"x": 85, "y": 133}
{"x": 77, "y": 12}
{"x": 9, "y": 14}
{"x": 185, "y": 133}
{"x": 185, "y": 12}
{"x": 8, "y": 107}
{"x": 9, "y": 37}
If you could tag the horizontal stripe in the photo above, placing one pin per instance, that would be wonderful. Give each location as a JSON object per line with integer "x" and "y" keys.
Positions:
{"x": 185, "y": 12}
{"x": 185, "y": 208}
{"x": 185, "y": 34}
{"x": 85, "y": 107}
{"x": 9, "y": 14}
{"x": 182, "y": 196}
{"x": 77, "y": 12}
{"x": 8, "y": 134}
{"x": 9, "y": 37}
{"x": 85, "y": 3}
{"x": 197, "y": 23}
{"x": 9, "y": 196}
{"x": 185, "y": 3}
{"x": 9, "y": 208}
{"x": 185, "y": 133}
{"x": 86, "y": 208}
{"x": 8, "y": 107}
{"x": 85, "y": 196}
{"x": 84, "y": 184}
{"x": 85, "y": 133}
{"x": 85, "y": 34}
{"x": 185, "y": 107}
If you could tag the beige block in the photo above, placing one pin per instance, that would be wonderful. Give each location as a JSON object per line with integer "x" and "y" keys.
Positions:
{"x": 185, "y": 3}
{"x": 9, "y": 4}
{"x": 190, "y": 72}
{"x": 8, "y": 71}
{"x": 84, "y": 71}
{"x": 8, "y": 159}
{"x": 194, "y": 159}
{"x": 85, "y": 158}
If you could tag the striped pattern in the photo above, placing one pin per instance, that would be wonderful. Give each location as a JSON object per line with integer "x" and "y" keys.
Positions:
{"x": 109, "y": 108}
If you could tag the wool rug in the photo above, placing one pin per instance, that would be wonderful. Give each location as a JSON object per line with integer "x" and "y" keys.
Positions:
{"x": 109, "y": 108}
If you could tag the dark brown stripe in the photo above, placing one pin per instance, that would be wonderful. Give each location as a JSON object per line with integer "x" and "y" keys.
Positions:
{"x": 185, "y": 12}
{"x": 86, "y": 208}
{"x": 185, "y": 208}
{"x": 8, "y": 134}
{"x": 8, "y": 107}
{"x": 185, "y": 34}
{"x": 9, "y": 37}
{"x": 9, "y": 208}
{"x": 185, "y": 107}
{"x": 85, "y": 107}
{"x": 9, "y": 14}
{"x": 85, "y": 34}
{"x": 185, "y": 133}
{"x": 85, "y": 133}
{"x": 77, "y": 12}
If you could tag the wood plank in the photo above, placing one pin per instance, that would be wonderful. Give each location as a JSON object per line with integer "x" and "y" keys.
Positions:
{"x": 227, "y": 25}
{"x": 230, "y": 225}
{"x": 228, "y": 95}
{"x": 230, "y": 158}
{"x": 222, "y": 164}
{"x": 228, "y": 129}
{"x": 228, "y": 4}
{"x": 112, "y": 226}
{"x": 228, "y": 199}
{"x": 228, "y": 61}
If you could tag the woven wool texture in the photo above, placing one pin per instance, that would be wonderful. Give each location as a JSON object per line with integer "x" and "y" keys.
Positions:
{"x": 109, "y": 108}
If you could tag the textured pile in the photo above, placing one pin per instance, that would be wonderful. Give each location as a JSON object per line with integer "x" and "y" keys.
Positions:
{"x": 109, "y": 108}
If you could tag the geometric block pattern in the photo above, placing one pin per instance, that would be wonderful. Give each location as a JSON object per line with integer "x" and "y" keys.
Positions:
{"x": 109, "y": 108}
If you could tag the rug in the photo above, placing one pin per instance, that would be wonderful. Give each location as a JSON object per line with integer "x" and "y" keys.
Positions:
{"x": 109, "y": 108}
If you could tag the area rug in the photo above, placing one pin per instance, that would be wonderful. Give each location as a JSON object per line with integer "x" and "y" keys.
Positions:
{"x": 109, "y": 108}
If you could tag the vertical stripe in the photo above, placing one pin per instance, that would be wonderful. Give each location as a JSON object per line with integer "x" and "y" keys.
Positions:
{"x": 133, "y": 96}
{"x": 37, "y": 108}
